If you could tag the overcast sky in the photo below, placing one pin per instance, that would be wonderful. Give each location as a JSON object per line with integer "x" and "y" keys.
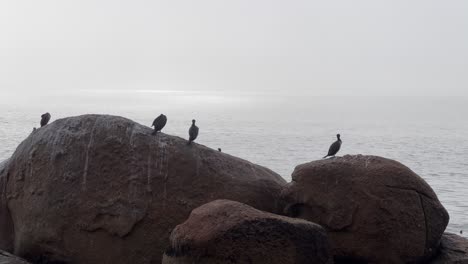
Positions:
{"x": 359, "y": 47}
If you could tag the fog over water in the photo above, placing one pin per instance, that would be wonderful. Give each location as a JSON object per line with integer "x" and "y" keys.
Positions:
{"x": 428, "y": 134}
{"x": 361, "y": 47}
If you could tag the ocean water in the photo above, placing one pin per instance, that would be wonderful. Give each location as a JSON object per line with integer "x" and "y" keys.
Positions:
{"x": 280, "y": 131}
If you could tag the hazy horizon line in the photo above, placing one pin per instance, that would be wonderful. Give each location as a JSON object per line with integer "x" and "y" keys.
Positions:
{"x": 216, "y": 92}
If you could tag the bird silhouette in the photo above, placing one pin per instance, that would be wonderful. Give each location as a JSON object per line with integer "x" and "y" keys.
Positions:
{"x": 193, "y": 132}
{"x": 334, "y": 148}
{"x": 159, "y": 123}
{"x": 45, "y": 119}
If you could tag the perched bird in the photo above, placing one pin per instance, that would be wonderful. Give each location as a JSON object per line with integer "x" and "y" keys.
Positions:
{"x": 193, "y": 132}
{"x": 159, "y": 123}
{"x": 335, "y": 147}
{"x": 45, "y": 119}
{"x": 219, "y": 149}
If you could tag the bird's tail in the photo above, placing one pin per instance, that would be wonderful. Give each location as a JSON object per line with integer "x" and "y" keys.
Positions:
{"x": 325, "y": 156}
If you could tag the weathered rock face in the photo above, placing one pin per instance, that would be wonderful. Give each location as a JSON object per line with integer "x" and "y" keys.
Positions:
{"x": 7, "y": 258}
{"x": 6, "y": 224}
{"x": 375, "y": 209}
{"x": 224, "y": 231}
{"x": 102, "y": 189}
{"x": 453, "y": 250}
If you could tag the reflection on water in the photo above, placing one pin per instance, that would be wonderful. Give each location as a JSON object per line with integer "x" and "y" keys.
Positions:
{"x": 282, "y": 131}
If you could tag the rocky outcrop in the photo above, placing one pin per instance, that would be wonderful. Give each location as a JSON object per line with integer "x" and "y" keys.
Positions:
{"x": 453, "y": 250}
{"x": 103, "y": 189}
{"x": 224, "y": 231}
{"x": 374, "y": 209}
{"x": 7, "y": 258}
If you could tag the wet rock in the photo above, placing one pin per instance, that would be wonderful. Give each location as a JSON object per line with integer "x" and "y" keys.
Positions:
{"x": 453, "y": 250}
{"x": 224, "y": 231}
{"x": 103, "y": 189}
{"x": 374, "y": 209}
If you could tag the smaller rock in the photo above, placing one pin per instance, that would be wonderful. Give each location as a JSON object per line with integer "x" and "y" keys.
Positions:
{"x": 225, "y": 231}
{"x": 453, "y": 249}
{"x": 375, "y": 210}
{"x": 7, "y": 258}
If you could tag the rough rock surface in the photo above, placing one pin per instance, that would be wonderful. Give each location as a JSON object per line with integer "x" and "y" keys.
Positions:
{"x": 103, "y": 189}
{"x": 375, "y": 209}
{"x": 6, "y": 224}
{"x": 453, "y": 250}
{"x": 224, "y": 231}
{"x": 7, "y": 258}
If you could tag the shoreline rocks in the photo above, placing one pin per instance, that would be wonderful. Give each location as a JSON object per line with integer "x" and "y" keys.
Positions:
{"x": 374, "y": 209}
{"x": 103, "y": 189}
{"x": 453, "y": 250}
{"x": 224, "y": 231}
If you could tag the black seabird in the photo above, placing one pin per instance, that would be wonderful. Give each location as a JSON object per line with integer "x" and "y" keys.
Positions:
{"x": 159, "y": 123}
{"x": 45, "y": 119}
{"x": 219, "y": 149}
{"x": 193, "y": 132}
{"x": 335, "y": 147}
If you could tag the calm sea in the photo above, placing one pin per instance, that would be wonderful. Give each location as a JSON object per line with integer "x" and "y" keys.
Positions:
{"x": 428, "y": 134}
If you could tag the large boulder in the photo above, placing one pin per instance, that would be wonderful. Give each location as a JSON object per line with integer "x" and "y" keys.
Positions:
{"x": 453, "y": 250}
{"x": 224, "y": 231}
{"x": 375, "y": 209}
{"x": 103, "y": 189}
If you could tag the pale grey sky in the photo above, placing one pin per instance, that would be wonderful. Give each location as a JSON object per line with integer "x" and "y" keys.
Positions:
{"x": 359, "y": 47}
